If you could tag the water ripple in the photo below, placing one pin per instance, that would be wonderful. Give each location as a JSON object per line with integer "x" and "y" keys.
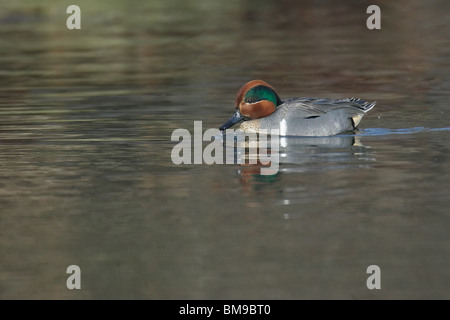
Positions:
{"x": 386, "y": 131}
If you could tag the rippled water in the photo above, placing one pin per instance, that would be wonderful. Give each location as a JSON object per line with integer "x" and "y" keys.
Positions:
{"x": 86, "y": 176}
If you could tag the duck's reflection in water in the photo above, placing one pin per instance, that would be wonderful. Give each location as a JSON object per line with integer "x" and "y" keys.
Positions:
{"x": 294, "y": 155}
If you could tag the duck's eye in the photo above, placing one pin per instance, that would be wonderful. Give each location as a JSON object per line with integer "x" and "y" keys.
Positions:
{"x": 251, "y": 100}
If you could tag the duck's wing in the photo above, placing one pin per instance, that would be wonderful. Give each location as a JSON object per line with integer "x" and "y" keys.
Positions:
{"x": 315, "y": 107}
{"x": 354, "y": 103}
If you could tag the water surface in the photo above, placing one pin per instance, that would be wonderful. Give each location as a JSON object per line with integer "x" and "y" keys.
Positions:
{"x": 86, "y": 175}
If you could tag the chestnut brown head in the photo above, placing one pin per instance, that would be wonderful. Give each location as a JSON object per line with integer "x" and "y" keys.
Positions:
{"x": 256, "y": 99}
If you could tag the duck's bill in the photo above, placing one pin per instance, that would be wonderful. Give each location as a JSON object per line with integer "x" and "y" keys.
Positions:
{"x": 237, "y": 116}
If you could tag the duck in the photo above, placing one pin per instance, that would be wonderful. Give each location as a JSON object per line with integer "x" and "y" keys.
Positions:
{"x": 260, "y": 109}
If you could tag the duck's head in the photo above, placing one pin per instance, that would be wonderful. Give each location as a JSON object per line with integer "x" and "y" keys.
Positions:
{"x": 256, "y": 99}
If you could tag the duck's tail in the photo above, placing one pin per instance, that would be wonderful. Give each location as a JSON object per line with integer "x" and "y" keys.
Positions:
{"x": 362, "y": 104}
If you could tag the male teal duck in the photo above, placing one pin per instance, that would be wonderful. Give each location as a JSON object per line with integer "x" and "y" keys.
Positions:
{"x": 261, "y": 109}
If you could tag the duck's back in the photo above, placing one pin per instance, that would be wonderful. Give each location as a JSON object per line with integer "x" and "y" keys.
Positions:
{"x": 316, "y": 116}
